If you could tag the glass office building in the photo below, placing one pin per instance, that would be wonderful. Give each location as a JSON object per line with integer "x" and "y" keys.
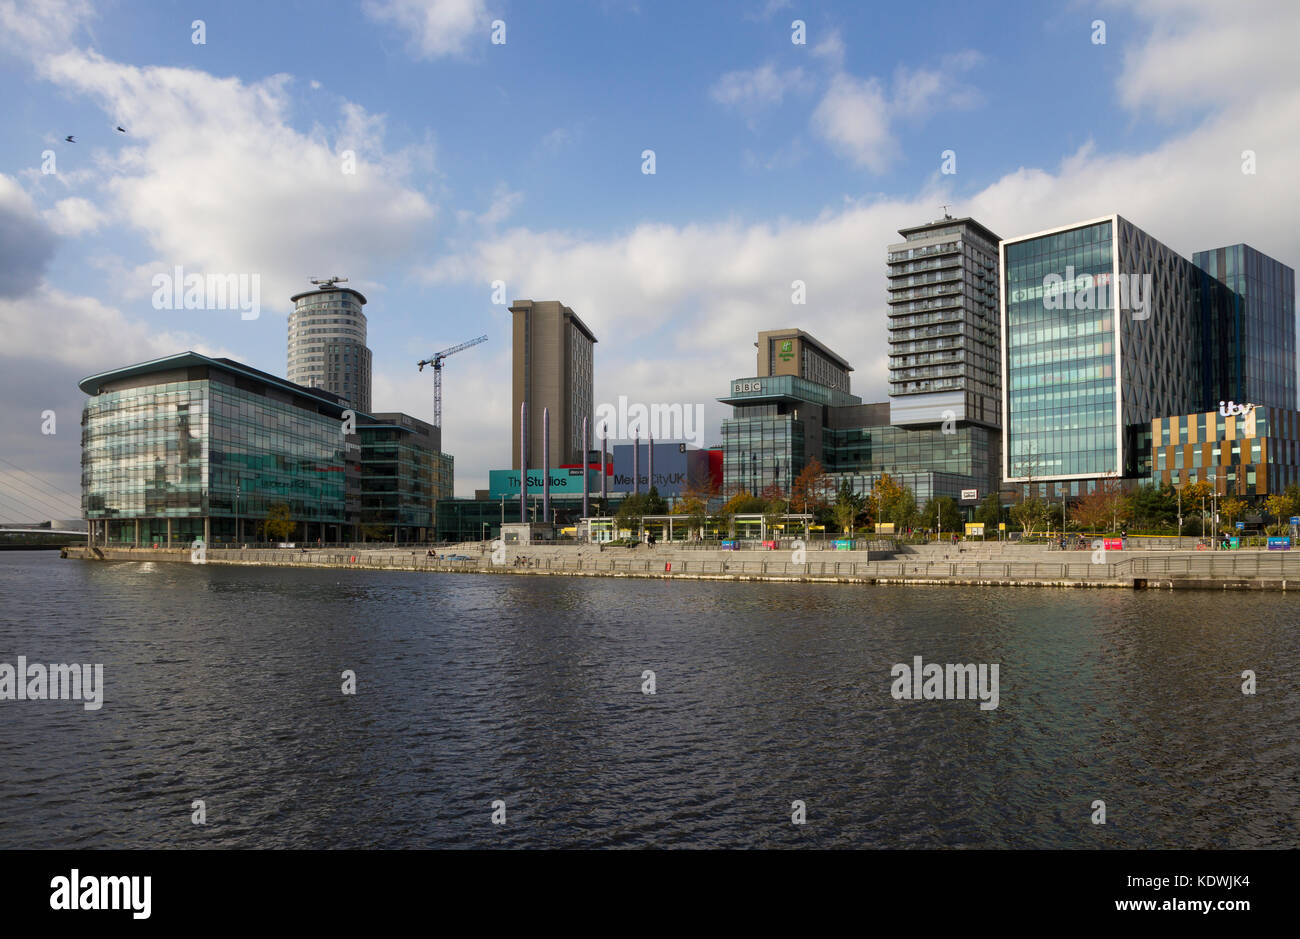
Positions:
{"x": 969, "y": 452}
{"x": 780, "y": 423}
{"x": 1249, "y": 346}
{"x": 776, "y": 428}
{"x": 403, "y": 476}
{"x": 188, "y": 447}
{"x": 1105, "y": 330}
{"x": 1100, "y": 336}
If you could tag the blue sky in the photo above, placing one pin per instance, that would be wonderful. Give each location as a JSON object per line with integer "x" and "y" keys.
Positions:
{"x": 522, "y": 162}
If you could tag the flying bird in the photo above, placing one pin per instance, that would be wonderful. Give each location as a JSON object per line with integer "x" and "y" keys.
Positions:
{"x": 70, "y": 139}
{"x": 121, "y": 128}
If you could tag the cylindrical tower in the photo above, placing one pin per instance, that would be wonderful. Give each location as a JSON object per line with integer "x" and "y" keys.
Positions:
{"x": 327, "y": 343}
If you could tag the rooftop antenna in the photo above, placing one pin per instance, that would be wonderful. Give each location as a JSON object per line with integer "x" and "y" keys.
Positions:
{"x": 327, "y": 283}
{"x": 945, "y": 208}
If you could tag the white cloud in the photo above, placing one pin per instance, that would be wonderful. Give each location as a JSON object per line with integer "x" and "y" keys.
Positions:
{"x": 753, "y": 89}
{"x": 52, "y": 326}
{"x": 831, "y": 49}
{"x": 504, "y": 202}
{"x": 38, "y": 25}
{"x": 1202, "y": 55}
{"x": 27, "y": 243}
{"x": 920, "y": 92}
{"x": 856, "y": 116}
{"x": 853, "y": 117}
{"x": 437, "y": 28}
{"x": 74, "y": 216}
{"x": 556, "y": 140}
{"x": 220, "y": 182}
{"x": 769, "y": 8}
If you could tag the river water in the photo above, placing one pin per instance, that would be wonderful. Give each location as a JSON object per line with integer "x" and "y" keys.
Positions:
{"x": 225, "y": 684}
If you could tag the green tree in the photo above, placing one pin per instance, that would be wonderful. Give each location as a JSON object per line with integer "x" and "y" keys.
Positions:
{"x": 941, "y": 512}
{"x": 773, "y": 515}
{"x": 742, "y": 503}
{"x": 1279, "y": 505}
{"x": 990, "y": 511}
{"x": 278, "y": 525}
{"x": 630, "y": 512}
{"x": 1030, "y": 512}
{"x": 696, "y": 511}
{"x": 1153, "y": 506}
{"x": 901, "y": 510}
{"x": 846, "y": 508}
{"x": 885, "y": 494}
{"x": 1232, "y": 509}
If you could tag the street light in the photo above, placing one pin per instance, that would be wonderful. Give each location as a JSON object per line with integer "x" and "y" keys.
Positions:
{"x": 1180, "y": 515}
{"x": 1214, "y": 502}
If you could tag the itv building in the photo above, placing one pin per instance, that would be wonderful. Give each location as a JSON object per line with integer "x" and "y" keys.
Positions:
{"x": 1115, "y": 349}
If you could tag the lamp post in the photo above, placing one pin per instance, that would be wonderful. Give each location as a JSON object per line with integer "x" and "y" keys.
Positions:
{"x": 239, "y": 528}
{"x": 1214, "y": 502}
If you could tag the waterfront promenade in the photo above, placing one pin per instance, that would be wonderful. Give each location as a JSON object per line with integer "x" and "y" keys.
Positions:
{"x": 979, "y": 564}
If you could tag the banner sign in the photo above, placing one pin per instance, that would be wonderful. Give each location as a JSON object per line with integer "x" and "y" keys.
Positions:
{"x": 564, "y": 482}
{"x": 1279, "y": 544}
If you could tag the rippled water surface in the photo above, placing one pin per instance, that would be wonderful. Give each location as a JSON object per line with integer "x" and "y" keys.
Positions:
{"x": 223, "y": 684}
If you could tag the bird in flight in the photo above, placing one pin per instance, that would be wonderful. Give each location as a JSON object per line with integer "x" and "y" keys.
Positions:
{"x": 121, "y": 128}
{"x": 70, "y": 139}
